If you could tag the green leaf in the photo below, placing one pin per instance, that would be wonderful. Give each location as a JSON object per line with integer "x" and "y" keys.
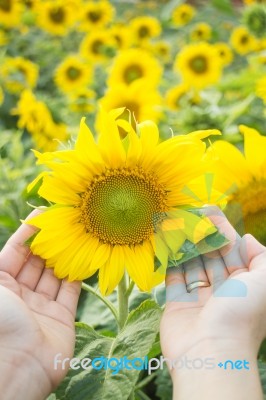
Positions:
{"x": 262, "y": 371}
{"x": 190, "y": 250}
{"x": 164, "y": 385}
{"x": 134, "y": 340}
{"x": 223, "y": 5}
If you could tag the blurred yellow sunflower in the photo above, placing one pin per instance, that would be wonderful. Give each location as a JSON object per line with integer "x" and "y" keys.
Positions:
{"x": 82, "y": 100}
{"x": 225, "y": 53}
{"x": 10, "y": 13}
{"x": 144, "y": 28}
{"x": 201, "y": 31}
{"x": 199, "y": 65}
{"x": 242, "y": 41}
{"x": 37, "y": 119}
{"x": 18, "y": 73}
{"x": 134, "y": 64}
{"x": 98, "y": 46}
{"x": 261, "y": 88}
{"x": 30, "y": 4}
{"x": 243, "y": 177}
{"x": 55, "y": 16}
{"x": 3, "y": 38}
{"x": 121, "y": 35}
{"x": 177, "y": 94}
{"x": 117, "y": 205}
{"x": 248, "y": 2}
{"x": 140, "y": 103}
{"x": 72, "y": 74}
{"x": 95, "y": 15}
{"x": 161, "y": 50}
{"x": 183, "y": 14}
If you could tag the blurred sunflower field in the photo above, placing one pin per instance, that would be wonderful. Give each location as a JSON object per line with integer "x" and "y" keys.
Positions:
{"x": 193, "y": 66}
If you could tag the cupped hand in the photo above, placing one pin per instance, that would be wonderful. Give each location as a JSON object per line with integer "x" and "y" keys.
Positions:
{"x": 37, "y": 316}
{"x": 232, "y": 308}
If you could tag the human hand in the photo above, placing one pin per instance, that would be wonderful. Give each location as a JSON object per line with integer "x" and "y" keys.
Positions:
{"x": 36, "y": 321}
{"x": 225, "y": 319}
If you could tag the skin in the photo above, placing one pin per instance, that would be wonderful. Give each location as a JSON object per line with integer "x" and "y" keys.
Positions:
{"x": 203, "y": 323}
{"x": 36, "y": 321}
{"x": 38, "y": 312}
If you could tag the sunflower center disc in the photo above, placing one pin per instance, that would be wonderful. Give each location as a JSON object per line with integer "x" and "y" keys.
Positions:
{"x": 5, "y": 5}
{"x": 144, "y": 31}
{"x": 94, "y": 16}
{"x": 132, "y": 73}
{"x": 249, "y": 203}
{"x": 198, "y": 64}
{"x": 73, "y": 73}
{"x": 123, "y": 207}
{"x": 57, "y": 15}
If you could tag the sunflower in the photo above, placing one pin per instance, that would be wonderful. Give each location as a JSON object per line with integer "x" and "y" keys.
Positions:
{"x": 55, "y": 16}
{"x": 132, "y": 65}
{"x": 95, "y": 15}
{"x": 35, "y": 116}
{"x": 161, "y": 50}
{"x": 201, "y": 31}
{"x": 121, "y": 35}
{"x": 261, "y": 88}
{"x": 10, "y": 13}
{"x": 82, "y": 100}
{"x": 98, "y": 46}
{"x": 242, "y": 41}
{"x": 31, "y": 4}
{"x": 199, "y": 65}
{"x": 144, "y": 28}
{"x": 248, "y": 2}
{"x": 140, "y": 103}
{"x": 243, "y": 177}
{"x": 225, "y": 53}
{"x": 177, "y": 94}
{"x": 118, "y": 204}
{"x": 72, "y": 74}
{"x": 183, "y": 14}
{"x": 19, "y": 73}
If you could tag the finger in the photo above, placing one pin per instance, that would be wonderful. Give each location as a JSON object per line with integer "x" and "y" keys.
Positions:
{"x": 252, "y": 252}
{"x": 194, "y": 271}
{"x": 48, "y": 284}
{"x": 68, "y": 295}
{"x": 175, "y": 284}
{"x": 31, "y": 272}
{"x": 215, "y": 268}
{"x": 15, "y": 252}
{"x": 231, "y": 251}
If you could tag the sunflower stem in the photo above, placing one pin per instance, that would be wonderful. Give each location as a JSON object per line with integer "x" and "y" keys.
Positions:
{"x": 107, "y": 302}
{"x": 130, "y": 288}
{"x": 122, "y": 301}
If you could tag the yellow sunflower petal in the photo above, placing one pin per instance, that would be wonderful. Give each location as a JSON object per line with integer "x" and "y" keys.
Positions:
{"x": 101, "y": 256}
{"x": 140, "y": 265}
{"x": 86, "y": 145}
{"x": 111, "y": 273}
{"x": 255, "y": 149}
{"x": 113, "y": 155}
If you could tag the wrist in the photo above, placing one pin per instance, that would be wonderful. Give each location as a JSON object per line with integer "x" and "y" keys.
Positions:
{"x": 22, "y": 376}
{"x": 217, "y": 368}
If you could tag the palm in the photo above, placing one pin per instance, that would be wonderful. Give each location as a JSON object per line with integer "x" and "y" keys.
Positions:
{"x": 211, "y": 310}
{"x": 38, "y": 310}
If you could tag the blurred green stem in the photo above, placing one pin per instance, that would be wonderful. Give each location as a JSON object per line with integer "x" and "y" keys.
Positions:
{"x": 107, "y": 302}
{"x": 122, "y": 301}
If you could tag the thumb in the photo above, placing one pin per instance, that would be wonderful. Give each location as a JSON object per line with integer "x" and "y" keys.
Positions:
{"x": 252, "y": 252}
